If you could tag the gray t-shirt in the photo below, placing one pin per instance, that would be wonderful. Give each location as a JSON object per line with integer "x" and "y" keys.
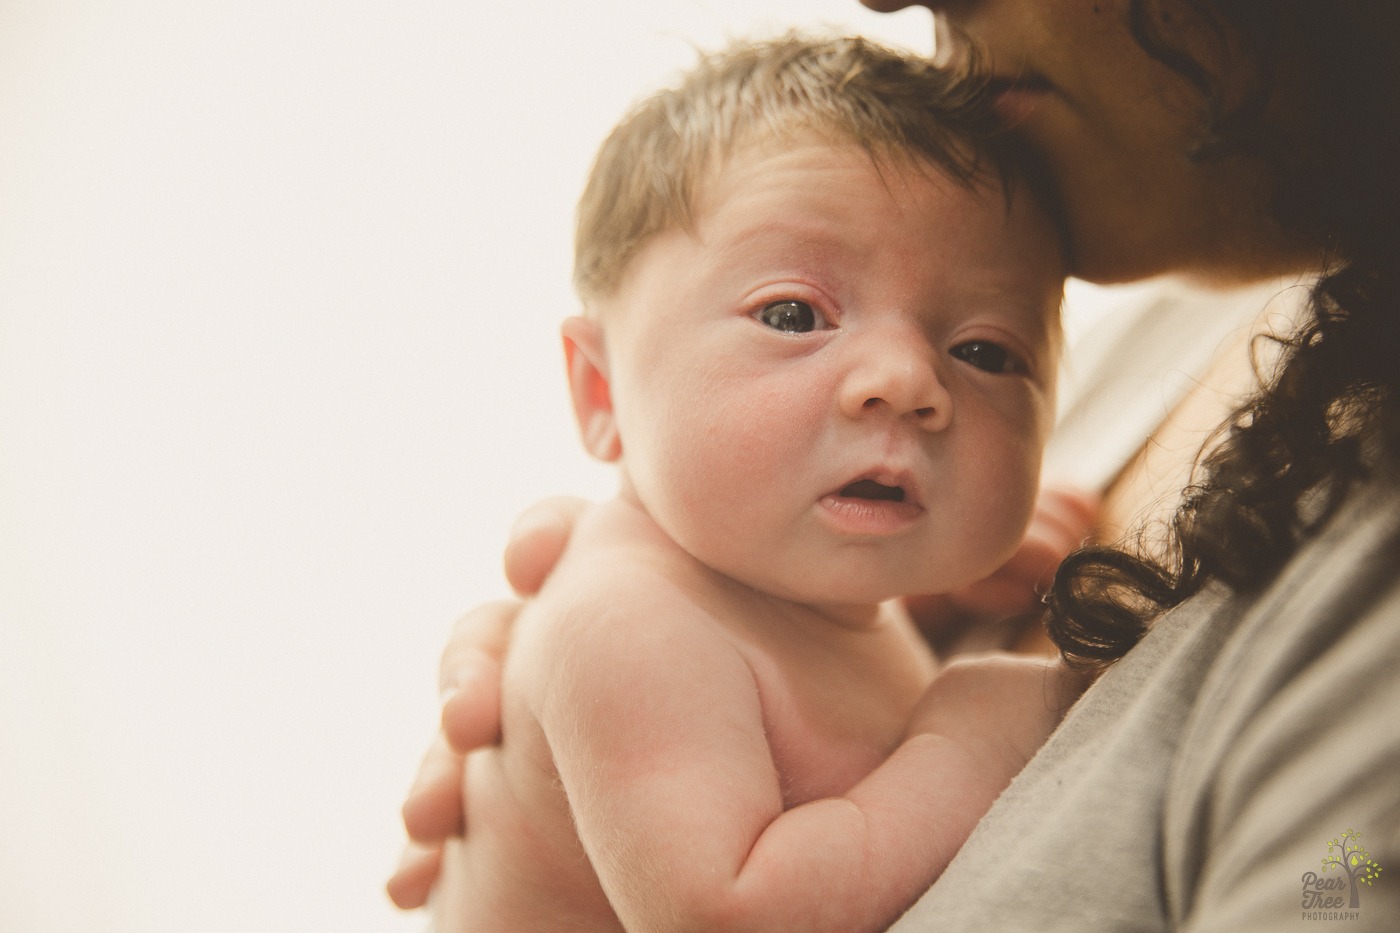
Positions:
{"x": 1197, "y": 786}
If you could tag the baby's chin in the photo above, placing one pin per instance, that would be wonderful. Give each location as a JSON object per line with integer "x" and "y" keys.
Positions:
{"x": 855, "y": 591}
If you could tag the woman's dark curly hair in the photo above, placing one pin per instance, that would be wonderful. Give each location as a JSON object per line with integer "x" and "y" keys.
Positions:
{"x": 1288, "y": 456}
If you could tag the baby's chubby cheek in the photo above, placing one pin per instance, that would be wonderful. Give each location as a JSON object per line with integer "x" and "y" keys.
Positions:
{"x": 725, "y": 459}
{"x": 1002, "y": 498}
{"x": 983, "y": 477}
{"x": 743, "y": 435}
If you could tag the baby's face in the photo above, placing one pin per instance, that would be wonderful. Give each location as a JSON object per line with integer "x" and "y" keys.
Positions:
{"x": 836, "y": 389}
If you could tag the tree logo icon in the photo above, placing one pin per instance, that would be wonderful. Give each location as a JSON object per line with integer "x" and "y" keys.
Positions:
{"x": 1346, "y": 853}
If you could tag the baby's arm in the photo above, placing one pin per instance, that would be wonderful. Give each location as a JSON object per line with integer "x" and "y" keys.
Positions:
{"x": 998, "y": 709}
{"x": 471, "y": 661}
{"x": 656, "y": 726}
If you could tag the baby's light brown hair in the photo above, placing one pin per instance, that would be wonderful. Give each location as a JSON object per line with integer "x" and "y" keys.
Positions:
{"x": 895, "y": 105}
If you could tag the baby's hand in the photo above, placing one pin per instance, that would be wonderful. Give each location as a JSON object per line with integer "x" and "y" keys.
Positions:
{"x": 1062, "y": 521}
{"x": 470, "y": 679}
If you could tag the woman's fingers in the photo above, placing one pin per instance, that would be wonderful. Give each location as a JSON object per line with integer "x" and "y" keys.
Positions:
{"x": 479, "y": 638}
{"x": 432, "y": 812}
{"x": 433, "y": 809}
{"x": 412, "y": 882}
{"x": 470, "y": 675}
{"x": 538, "y": 539}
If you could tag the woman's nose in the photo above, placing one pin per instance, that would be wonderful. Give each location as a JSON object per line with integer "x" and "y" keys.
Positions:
{"x": 897, "y": 382}
{"x": 945, "y": 51}
{"x": 892, "y": 6}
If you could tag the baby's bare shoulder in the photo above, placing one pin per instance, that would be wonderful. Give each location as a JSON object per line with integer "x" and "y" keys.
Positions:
{"x": 613, "y": 542}
{"x": 620, "y": 561}
{"x": 621, "y": 582}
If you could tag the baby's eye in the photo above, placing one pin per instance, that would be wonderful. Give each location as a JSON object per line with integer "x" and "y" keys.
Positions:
{"x": 988, "y": 356}
{"x": 791, "y": 317}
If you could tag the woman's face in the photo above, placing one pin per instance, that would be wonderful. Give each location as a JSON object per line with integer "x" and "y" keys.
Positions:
{"x": 1116, "y": 128}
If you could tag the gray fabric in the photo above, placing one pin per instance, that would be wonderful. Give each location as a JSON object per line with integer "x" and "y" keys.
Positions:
{"x": 1199, "y": 780}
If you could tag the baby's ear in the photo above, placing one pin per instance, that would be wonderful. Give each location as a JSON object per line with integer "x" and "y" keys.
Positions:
{"x": 587, "y": 366}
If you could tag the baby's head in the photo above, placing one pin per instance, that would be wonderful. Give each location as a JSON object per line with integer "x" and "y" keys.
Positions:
{"x": 650, "y": 169}
{"x": 821, "y": 322}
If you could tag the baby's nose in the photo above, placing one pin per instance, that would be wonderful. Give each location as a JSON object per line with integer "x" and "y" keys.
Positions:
{"x": 901, "y": 385}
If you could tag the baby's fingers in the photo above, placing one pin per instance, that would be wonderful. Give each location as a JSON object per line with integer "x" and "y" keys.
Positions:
{"x": 1063, "y": 518}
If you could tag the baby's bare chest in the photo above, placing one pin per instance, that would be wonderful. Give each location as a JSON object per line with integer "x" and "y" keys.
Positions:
{"x": 828, "y": 728}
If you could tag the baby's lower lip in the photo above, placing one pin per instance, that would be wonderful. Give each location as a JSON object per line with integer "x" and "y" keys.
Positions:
{"x": 854, "y": 515}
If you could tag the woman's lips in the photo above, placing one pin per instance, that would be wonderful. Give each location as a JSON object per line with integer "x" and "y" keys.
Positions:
{"x": 1014, "y": 99}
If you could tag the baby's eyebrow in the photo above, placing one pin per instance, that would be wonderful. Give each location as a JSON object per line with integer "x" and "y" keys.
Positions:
{"x": 791, "y": 236}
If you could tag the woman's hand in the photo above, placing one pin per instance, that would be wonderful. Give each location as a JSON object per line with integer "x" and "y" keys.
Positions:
{"x": 470, "y": 679}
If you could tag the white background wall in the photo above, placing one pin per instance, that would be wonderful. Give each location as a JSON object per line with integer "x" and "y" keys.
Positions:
{"x": 279, "y": 286}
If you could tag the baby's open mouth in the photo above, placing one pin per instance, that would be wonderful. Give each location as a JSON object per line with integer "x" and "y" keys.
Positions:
{"x": 883, "y": 502}
{"x": 870, "y": 489}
